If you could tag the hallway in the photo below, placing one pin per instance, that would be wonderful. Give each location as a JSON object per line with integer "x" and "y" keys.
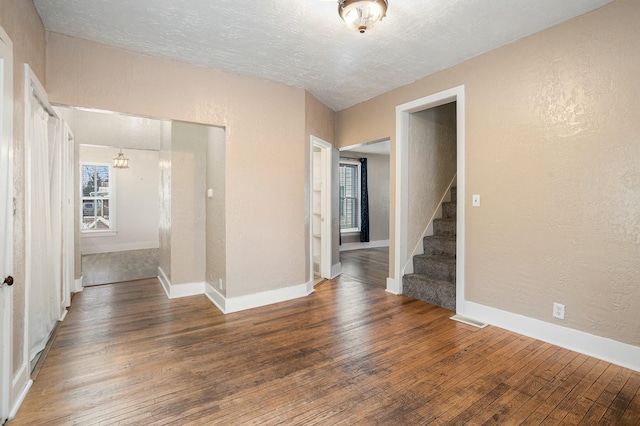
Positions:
{"x": 368, "y": 266}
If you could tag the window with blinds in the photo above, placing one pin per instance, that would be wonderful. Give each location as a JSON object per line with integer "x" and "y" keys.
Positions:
{"x": 96, "y": 198}
{"x": 349, "y": 197}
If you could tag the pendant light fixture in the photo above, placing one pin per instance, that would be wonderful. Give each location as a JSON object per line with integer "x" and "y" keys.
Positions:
{"x": 121, "y": 162}
{"x": 362, "y": 14}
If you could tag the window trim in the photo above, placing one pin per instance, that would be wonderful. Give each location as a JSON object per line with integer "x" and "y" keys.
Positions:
{"x": 112, "y": 231}
{"x": 358, "y": 195}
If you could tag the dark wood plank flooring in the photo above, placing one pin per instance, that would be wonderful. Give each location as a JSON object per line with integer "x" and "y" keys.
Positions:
{"x": 350, "y": 353}
{"x": 369, "y": 266}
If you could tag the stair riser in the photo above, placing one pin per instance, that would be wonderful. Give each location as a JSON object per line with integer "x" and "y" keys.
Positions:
{"x": 449, "y": 210}
{"x": 444, "y": 227}
{"x": 434, "y": 269}
{"x": 437, "y": 247}
{"x": 440, "y": 294}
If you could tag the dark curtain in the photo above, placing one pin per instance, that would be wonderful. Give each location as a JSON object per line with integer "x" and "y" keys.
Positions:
{"x": 364, "y": 202}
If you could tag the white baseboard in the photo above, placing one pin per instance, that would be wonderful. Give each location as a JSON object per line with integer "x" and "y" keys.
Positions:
{"x": 229, "y": 305}
{"x": 336, "y": 270}
{"x": 175, "y": 291}
{"x": 112, "y": 248}
{"x": 360, "y": 246}
{"x": 20, "y": 387}
{"x": 392, "y": 286}
{"x": 166, "y": 285}
{"x": 609, "y": 350}
{"x": 186, "y": 290}
{"x": 77, "y": 285}
{"x": 215, "y": 296}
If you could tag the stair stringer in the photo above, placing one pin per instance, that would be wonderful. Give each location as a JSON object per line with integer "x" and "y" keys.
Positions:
{"x": 428, "y": 231}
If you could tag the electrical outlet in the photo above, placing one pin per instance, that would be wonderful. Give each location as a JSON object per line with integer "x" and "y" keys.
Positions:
{"x": 558, "y": 310}
{"x": 220, "y": 284}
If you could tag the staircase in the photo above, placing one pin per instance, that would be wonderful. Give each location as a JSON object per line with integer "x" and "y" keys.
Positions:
{"x": 434, "y": 272}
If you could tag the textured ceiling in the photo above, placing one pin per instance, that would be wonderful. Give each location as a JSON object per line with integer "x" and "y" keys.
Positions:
{"x": 304, "y": 43}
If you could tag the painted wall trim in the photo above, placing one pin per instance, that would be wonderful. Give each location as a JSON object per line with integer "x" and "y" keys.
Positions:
{"x": 6, "y": 298}
{"x": 336, "y": 270}
{"x": 186, "y": 290}
{"x": 457, "y": 94}
{"x": 215, "y": 296}
{"x": 142, "y": 245}
{"x": 174, "y": 291}
{"x": 164, "y": 281}
{"x": 609, "y": 350}
{"x": 392, "y": 286}
{"x": 326, "y": 210}
{"x": 77, "y": 285}
{"x": 358, "y": 246}
{"x": 19, "y": 388}
{"x": 229, "y": 305}
{"x": 20, "y": 399}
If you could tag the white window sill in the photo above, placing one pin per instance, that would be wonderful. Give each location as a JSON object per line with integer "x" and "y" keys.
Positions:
{"x": 91, "y": 234}
{"x": 349, "y": 231}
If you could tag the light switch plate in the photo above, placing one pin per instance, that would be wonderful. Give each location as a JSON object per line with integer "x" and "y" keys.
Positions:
{"x": 475, "y": 200}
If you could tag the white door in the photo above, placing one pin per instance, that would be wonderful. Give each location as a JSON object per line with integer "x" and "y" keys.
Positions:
{"x": 6, "y": 217}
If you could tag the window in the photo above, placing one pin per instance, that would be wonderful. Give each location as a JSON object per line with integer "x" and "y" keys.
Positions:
{"x": 97, "y": 195}
{"x": 349, "y": 197}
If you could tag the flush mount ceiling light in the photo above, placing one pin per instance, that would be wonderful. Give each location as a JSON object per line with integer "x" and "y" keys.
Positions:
{"x": 120, "y": 162}
{"x": 362, "y": 14}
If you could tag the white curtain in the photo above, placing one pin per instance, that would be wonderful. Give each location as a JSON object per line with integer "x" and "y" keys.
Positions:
{"x": 43, "y": 293}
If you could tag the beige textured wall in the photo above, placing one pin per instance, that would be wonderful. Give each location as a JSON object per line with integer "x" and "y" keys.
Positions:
{"x": 188, "y": 223}
{"x": 432, "y": 166}
{"x": 552, "y": 146}
{"x": 265, "y": 207}
{"x": 215, "y": 211}
{"x": 23, "y": 25}
{"x": 319, "y": 119}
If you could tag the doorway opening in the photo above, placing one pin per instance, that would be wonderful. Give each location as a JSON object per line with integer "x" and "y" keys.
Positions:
{"x": 320, "y": 210}
{"x": 402, "y": 249}
{"x": 364, "y": 209}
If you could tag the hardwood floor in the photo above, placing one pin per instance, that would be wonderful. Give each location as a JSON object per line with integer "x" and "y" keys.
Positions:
{"x": 350, "y": 353}
{"x": 369, "y": 266}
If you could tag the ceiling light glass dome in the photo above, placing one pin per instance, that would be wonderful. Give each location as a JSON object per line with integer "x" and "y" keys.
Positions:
{"x": 362, "y": 14}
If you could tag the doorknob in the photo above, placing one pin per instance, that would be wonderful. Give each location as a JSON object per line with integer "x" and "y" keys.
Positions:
{"x": 8, "y": 281}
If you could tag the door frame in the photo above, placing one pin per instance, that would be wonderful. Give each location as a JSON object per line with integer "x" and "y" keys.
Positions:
{"x": 32, "y": 88}
{"x": 401, "y": 257}
{"x": 68, "y": 215}
{"x": 6, "y": 222}
{"x": 326, "y": 212}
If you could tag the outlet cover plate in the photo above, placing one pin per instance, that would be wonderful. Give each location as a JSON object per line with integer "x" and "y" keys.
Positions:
{"x": 558, "y": 310}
